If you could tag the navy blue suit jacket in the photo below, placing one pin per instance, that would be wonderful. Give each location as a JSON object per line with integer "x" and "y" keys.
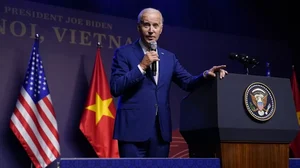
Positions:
{"x": 139, "y": 94}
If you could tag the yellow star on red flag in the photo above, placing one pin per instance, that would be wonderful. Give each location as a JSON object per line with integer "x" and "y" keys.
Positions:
{"x": 101, "y": 108}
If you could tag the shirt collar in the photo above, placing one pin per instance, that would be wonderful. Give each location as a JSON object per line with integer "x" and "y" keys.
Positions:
{"x": 143, "y": 46}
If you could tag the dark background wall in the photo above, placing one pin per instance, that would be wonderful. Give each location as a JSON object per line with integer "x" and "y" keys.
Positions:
{"x": 263, "y": 19}
{"x": 201, "y": 33}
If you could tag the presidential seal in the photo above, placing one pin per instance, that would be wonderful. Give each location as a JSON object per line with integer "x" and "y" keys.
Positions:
{"x": 260, "y": 101}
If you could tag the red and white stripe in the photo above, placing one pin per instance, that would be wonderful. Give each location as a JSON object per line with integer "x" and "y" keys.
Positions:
{"x": 36, "y": 128}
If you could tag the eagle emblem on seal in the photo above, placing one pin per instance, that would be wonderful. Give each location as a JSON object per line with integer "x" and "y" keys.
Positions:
{"x": 260, "y": 101}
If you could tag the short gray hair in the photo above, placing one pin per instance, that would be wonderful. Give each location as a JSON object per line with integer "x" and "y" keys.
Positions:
{"x": 148, "y": 10}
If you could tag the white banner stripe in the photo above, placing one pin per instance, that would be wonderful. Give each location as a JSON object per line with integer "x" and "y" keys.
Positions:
{"x": 34, "y": 128}
{"x": 28, "y": 139}
{"x": 41, "y": 122}
{"x": 49, "y": 98}
{"x": 48, "y": 113}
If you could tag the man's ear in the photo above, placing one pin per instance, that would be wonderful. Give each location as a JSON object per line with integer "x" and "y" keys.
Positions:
{"x": 161, "y": 29}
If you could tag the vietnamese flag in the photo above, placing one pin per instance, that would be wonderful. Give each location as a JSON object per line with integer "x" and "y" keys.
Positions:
{"x": 295, "y": 144}
{"x": 97, "y": 122}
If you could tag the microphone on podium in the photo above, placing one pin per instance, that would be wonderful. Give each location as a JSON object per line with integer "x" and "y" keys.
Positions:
{"x": 245, "y": 60}
{"x": 153, "y": 46}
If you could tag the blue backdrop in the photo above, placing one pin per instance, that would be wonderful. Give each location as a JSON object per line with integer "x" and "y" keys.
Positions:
{"x": 68, "y": 50}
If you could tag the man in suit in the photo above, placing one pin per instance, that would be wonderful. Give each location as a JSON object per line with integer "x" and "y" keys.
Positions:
{"x": 143, "y": 120}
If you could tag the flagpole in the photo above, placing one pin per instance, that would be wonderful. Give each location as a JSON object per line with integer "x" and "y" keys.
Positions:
{"x": 37, "y": 38}
{"x": 103, "y": 145}
{"x": 99, "y": 45}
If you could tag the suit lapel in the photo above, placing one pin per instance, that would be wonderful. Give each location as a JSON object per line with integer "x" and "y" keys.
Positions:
{"x": 161, "y": 66}
{"x": 149, "y": 74}
{"x": 138, "y": 51}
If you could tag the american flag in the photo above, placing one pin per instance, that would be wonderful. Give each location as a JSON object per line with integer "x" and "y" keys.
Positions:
{"x": 33, "y": 121}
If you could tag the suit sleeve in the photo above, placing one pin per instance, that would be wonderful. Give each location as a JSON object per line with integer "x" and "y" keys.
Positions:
{"x": 122, "y": 77}
{"x": 184, "y": 79}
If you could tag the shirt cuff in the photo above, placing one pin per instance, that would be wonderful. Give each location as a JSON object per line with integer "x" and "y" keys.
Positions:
{"x": 141, "y": 69}
{"x": 205, "y": 73}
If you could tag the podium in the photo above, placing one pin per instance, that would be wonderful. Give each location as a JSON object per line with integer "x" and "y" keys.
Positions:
{"x": 247, "y": 121}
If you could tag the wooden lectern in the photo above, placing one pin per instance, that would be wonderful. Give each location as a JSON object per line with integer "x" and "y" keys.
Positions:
{"x": 247, "y": 121}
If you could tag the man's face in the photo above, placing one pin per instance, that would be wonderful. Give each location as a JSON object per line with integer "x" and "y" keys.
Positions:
{"x": 150, "y": 27}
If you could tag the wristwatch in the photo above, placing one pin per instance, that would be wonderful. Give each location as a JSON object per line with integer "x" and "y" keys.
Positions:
{"x": 205, "y": 73}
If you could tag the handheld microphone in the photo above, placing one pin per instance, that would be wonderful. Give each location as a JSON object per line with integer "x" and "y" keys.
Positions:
{"x": 153, "y": 46}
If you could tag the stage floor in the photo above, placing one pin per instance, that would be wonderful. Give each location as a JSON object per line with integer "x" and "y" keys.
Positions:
{"x": 148, "y": 163}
